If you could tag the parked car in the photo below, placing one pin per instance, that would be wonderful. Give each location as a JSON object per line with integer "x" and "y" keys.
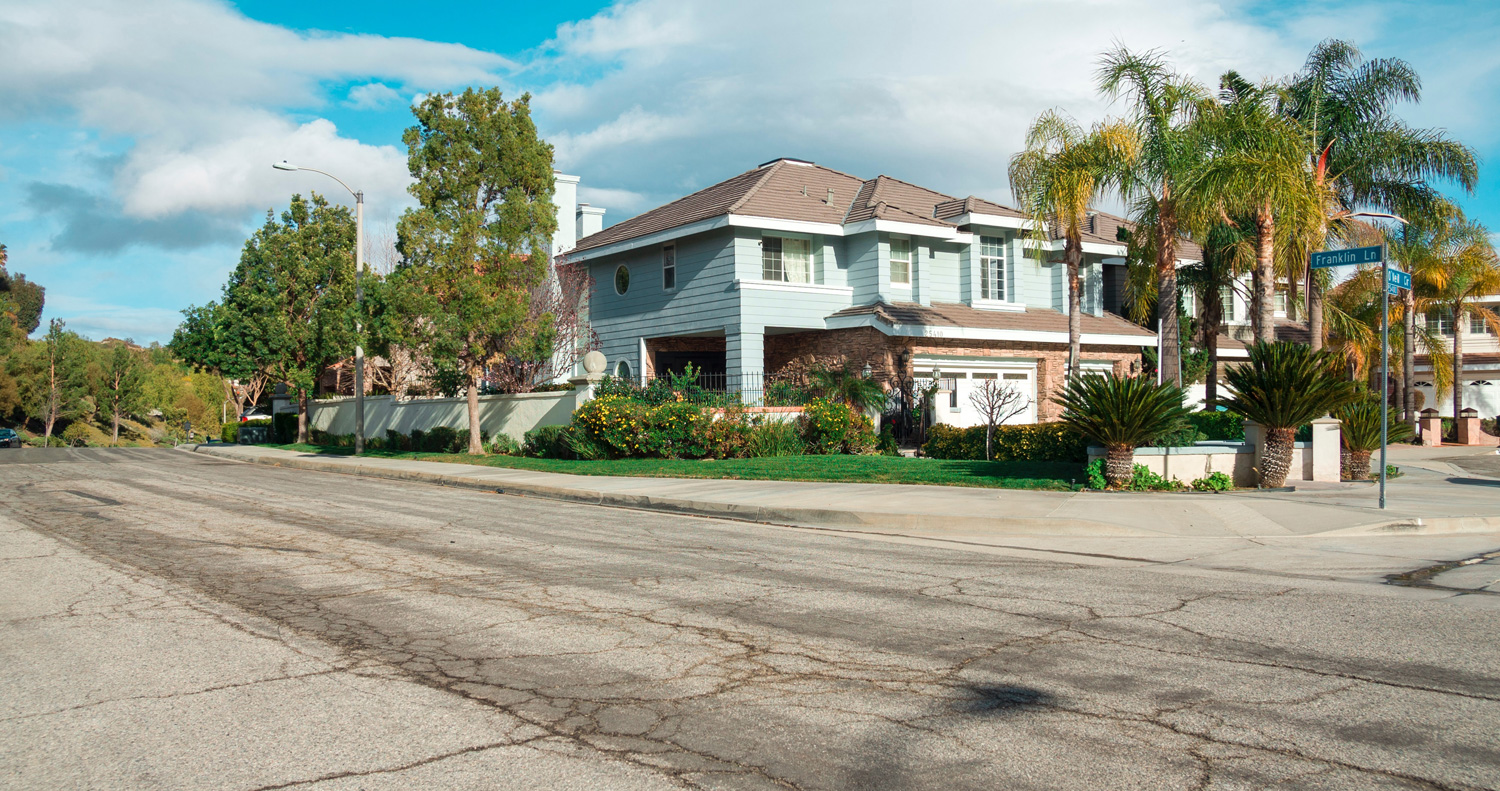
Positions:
{"x": 9, "y": 438}
{"x": 255, "y": 413}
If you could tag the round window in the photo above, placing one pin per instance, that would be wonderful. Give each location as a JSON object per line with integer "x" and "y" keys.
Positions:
{"x": 622, "y": 371}
{"x": 622, "y": 279}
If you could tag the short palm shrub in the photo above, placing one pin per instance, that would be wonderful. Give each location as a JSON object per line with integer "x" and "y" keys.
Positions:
{"x": 1122, "y": 414}
{"x": 1360, "y": 433}
{"x": 846, "y": 386}
{"x": 1283, "y": 386}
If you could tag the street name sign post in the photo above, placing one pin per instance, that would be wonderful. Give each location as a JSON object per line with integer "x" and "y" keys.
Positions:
{"x": 1394, "y": 280}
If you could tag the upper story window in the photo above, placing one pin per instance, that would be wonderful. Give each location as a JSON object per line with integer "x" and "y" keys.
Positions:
{"x": 1279, "y": 303}
{"x": 991, "y": 267}
{"x": 786, "y": 259}
{"x": 669, "y": 267}
{"x": 1226, "y": 299}
{"x": 622, "y": 279}
{"x": 900, "y": 262}
{"x": 1476, "y": 322}
{"x": 1440, "y": 321}
{"x": 1189, "y": 302}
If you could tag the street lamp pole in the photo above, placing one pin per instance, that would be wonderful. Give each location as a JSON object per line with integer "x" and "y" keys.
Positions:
{"x": 359, "y": 295}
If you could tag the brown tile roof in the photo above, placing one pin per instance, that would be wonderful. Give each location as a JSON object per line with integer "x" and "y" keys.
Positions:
{"x": 947, "y": 314}
{"x": 1295, "y": 331}
{"x": 1104, "y": 228}
{"x": 1476, "y": 366}
{"x": 772, "y": 190}
{"x": 973, "y": 205}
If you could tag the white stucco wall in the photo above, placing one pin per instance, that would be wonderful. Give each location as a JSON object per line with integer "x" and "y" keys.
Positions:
{"x": 513, "y": 414}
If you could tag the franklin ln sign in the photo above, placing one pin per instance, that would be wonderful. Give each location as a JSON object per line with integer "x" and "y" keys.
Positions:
{"x": 1354, "y": 255}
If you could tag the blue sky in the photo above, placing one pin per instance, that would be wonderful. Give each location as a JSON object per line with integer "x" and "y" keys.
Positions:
{"x": 135, "y": 139}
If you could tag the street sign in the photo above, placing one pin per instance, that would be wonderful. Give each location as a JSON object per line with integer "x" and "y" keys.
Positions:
{"x": 1392, "y": 289}
{"x": 1398, "y": 279}
{"x": 1354, "y": 255}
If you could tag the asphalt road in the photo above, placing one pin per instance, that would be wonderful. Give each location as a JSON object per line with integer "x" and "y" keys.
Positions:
{"x": 170, "y": 621}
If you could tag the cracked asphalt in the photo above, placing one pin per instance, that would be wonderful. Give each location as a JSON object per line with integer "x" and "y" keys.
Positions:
{"x": 172, "y": 621}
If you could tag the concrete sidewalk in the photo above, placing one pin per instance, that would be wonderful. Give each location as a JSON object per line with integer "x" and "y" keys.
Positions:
{"x": 1433, "y": 497}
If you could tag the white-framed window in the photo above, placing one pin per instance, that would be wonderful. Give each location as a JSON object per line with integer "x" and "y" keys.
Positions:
{"x": 1440, "y": 321}
{"x": 1226, "y": 298}
{"x": 622, "y": 370}
{"x": 669, "y": 267}
{"x": 622, "y": 279}
{"x": 1189, "y": 302}
{"x": 786, "y": 259}
{"x": 1476, "y": 322}
{"x": 991, "y": 267}
{"x": 1278, "y": 303}
{"x": 900, "y": 262}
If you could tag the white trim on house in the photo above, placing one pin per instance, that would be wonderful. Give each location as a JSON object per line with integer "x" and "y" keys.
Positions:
{"x": 981, "y": 334}
{"x": 797, "y": 288}
{"x": 992, "y": 220}
{"x": 789, "y": 226}
{"x": 649, "y": 239}
{"x": 998, "y": 304}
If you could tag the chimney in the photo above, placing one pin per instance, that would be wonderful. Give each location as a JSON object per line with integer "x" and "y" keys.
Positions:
{"x": 590, "y": 219}
{"x": 565, "y": 198}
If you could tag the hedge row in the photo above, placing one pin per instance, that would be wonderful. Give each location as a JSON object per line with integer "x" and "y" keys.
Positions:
{"x": 1038, "y": 442}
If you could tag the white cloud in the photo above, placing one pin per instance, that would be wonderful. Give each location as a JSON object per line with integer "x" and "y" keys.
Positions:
{"x": 662, "y": 96}
{"x": 371, "y": 96}
{"x": 97, "y": 321}
{"x": 203, "y": 92}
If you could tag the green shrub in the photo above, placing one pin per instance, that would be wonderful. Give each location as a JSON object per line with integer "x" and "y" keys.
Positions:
{"x": 886, "y": 445}
{"x": 783, "y": 392}
{"x": 1143, "y": 479}
{"x": 442, "y": 439}
{"x": 1215, "y": 482}
{"x": 284, "y": 427}
{"x": 230, "y": 433}
{"x": 830, "y": 427}
{"x": 504, "y": 445}
{"x": 1184, "y": 436}
{"x": 775, "y": 438}
{"x": 395, "y": 440}
{"x": 1095, "y": 473}
{"x": 79, "y": 434}
{"x": 548, "y": 442}
{"x": 1035, "y": 442}
{"x": 1218, "y": 426}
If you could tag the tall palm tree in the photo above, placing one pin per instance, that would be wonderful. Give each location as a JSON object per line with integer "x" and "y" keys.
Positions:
{"x": 1463, "y": 270}
{"x": 1228, "y": 251}
{"x": 1360, "y": 152}
{"x": 1253, "y": 166}
{"x": 1162, "y": 106}
{"x": 1417, "y": 247}
{"x": 1056, "y": 178}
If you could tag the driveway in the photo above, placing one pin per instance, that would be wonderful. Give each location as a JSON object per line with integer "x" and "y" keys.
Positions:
{"x": 174, "y": 621}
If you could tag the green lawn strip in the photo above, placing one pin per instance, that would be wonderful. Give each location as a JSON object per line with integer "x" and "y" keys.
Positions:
{"x": 1061, "y": 476}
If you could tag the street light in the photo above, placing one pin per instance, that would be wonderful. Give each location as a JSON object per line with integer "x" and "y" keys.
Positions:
{"x": 359, "y": 265}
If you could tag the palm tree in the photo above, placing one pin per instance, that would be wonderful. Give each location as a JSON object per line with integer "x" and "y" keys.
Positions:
{"x": 859, "y": 392}
{"x": 1359, "y": 433}
{"x": 1122, "y": 414}
{"x": 1284, "y": 385}
{"x": 1162, "y": 106}
{"x": 1055, "y": 179}
{"x": 1227, "y": 251}
{"x": 1254, "y": 167}
{"x": 1461, "y": 270}
{"x": 1361, "y": 154}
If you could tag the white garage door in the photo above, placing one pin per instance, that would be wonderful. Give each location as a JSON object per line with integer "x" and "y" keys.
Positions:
{"x": 960, "y": 376}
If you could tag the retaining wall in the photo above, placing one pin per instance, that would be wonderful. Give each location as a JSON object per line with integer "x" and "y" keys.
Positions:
{"x": 513, "y": 414}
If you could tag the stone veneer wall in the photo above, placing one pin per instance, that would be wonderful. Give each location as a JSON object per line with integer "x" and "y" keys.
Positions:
{"x": 884, "y": 354}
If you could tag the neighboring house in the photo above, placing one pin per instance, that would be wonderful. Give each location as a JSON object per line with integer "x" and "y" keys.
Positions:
{"x": 1481, "y": 376}
{"x": 792, "y": 263}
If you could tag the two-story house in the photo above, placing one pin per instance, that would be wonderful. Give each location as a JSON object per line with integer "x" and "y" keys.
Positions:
{"x": 792, "y": 262}
{"x": 1481, "y": 375}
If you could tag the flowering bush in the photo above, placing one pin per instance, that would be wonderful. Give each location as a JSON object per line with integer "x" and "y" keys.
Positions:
{"x": 830, "y": 427}
{"x": 626, "y": 428}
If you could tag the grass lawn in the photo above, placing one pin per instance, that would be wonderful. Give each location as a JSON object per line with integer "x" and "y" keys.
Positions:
{"x": 1062, "y": 476}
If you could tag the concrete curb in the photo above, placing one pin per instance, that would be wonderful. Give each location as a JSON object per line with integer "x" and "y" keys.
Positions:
{"x": 872, "y": 521}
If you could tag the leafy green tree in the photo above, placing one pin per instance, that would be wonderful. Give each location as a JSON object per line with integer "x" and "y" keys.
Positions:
{"x": 1121, "y": 413}
{"x": 220, "y": 339}
{"x": 1283, "y": 386}
{"x": 53, "y": 377}
{"x": 1361, "y": 154}
{"x": 120, "y": 385}
{"x": 1162, "y": 107}
{"x": 1056, "y": 178}
{"x": 478, "y": 241}
{"x": 288, "y": 308}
